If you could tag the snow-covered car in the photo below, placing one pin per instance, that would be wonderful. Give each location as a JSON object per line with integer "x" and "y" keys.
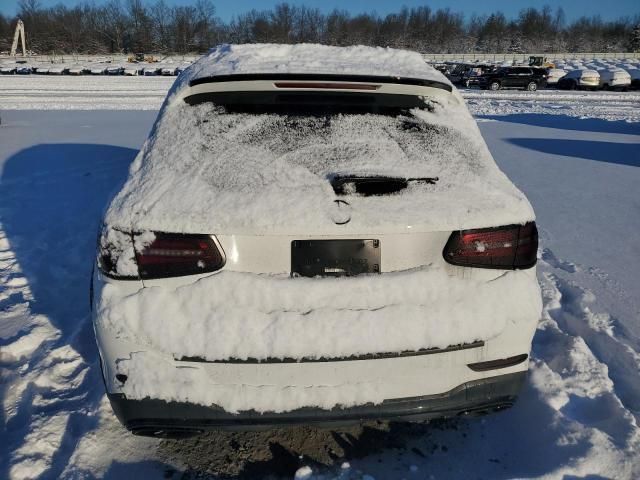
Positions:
{"x": 130, "y": 71}
{"x": 580, "y": 78}
{"x": 168, "y": 71}
{"x": 313, "y": 234}
{"x": 8, "y": 69}
{"x": 77, "y": 70}
{"x": 58, "y": 70}
{"x": 554, "y": 75}
{"x": 614, "y": 79}
{"x": 150, "y": 71}
{"x": 98, "y": 70}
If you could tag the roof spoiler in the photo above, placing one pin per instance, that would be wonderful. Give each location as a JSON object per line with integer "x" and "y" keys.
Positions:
{"x": 360, "y": 91}
{"x": 244, "y": 77}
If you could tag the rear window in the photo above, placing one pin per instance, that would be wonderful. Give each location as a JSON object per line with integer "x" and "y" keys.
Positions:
{"x": 400, "y": 143}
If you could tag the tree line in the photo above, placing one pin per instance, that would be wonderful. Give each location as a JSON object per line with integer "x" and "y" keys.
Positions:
{"x": 117, "y": 26}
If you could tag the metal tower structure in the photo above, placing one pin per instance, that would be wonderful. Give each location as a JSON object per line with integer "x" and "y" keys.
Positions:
{"x": 19, "y": 35}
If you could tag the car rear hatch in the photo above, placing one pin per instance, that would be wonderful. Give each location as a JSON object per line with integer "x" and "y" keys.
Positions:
{"x": 262, "y": 168}
{"x": 316, "y": 177}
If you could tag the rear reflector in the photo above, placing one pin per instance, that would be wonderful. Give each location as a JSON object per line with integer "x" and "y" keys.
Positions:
{"x": 510, "y": 247}
{"x": 497, "y": 364}
{"x": 175, "y": 255}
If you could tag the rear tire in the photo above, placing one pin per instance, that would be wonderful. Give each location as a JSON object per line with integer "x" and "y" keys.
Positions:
{"x": 495, "y": 86}
{"x": 532, "y": 87}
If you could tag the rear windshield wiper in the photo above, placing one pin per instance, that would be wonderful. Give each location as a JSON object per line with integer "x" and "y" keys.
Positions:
{"x": 375, "y": 184}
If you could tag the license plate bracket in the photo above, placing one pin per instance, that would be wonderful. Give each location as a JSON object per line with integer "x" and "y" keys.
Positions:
{"x": 335, "y": 258}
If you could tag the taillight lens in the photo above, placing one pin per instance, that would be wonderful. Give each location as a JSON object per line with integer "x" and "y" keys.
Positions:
{"x": 508, "y": 248}
{"x": 151, "y": 255}
{"x": 175, "y": 255}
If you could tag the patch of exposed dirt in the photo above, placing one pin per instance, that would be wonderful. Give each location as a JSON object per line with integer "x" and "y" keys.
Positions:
{"x": 280, "y": 452}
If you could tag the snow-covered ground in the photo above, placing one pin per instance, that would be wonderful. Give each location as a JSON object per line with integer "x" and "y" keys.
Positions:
{"x": 575, "y": 155}
{"x": 35, "y": 92}
{"x": 87, "y": 92}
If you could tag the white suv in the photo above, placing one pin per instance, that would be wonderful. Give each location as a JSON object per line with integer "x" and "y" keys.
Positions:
{"x": 313, "y": 234}
{"x": 614, "y": 79}
{"x": 580, "y": 78}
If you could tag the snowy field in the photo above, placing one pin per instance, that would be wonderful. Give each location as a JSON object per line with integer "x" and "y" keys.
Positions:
{"x": 33, "y": 92}
{"x": 575, "y": 155}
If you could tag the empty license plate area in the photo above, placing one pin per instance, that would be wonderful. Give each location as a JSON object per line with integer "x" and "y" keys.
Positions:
{"x": 334, "y": 258}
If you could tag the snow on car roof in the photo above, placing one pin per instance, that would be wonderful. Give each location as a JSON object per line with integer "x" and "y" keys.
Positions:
{"x": 313, "y": 58}
{"x": 259, "y": 59}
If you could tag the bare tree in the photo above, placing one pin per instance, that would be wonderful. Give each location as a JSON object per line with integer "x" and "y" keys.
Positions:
{"x": 139, "y": 25}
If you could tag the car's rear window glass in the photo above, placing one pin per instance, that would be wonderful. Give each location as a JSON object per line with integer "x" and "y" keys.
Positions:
{"x": 309, "y": 102}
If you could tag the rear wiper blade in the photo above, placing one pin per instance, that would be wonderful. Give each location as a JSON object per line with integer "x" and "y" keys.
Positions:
{"x": 374, "y": 184}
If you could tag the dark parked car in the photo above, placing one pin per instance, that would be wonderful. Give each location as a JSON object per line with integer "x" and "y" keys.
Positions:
{"x": 527, "y": 78}
{"x": 456, "y": 72}
{"x": 472, "y": 75}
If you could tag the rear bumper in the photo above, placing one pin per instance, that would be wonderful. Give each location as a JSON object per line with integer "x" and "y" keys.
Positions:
{"x": 175, "y": 419}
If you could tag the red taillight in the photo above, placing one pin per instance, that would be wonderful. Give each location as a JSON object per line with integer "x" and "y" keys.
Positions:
{"x": 175, "y": 255}
{"x": 148, "y": 255}
{"x": 327, "y": 85}
{"x": 510, "y": 247}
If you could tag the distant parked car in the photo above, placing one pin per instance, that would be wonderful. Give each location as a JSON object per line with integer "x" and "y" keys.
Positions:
{"x": 41, "y": 70}
{"x": 115, "y": 70}
{"x": 456, "y": 73}
{"x": 614, "y": 79}
{"x": 77, "y": 70}
{"x": 584, "y": 78}
{"x": 131, "y": 71}
{"x": 554, "y": 75}
{"x": 527, "y": 78}
{"x": 8, "y": 70}
{"x": 59, "y": 70}
{"x": 472, "y": 74}
{"x": 23, "y": 70}
{"x": 150, "y": 71}
{"x": 634, "y": 73}
{"x": 168, "y": 71}
{"x": 181, "y": 68}
{"x": 98, "y": 71}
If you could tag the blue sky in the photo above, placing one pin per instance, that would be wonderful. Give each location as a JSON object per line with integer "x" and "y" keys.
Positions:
{"x": 226, "y": 9}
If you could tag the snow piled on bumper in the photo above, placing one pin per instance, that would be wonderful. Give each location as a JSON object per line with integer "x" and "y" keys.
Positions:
{"x": 152, "y": 376}
{"x": 240, "y": 315}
